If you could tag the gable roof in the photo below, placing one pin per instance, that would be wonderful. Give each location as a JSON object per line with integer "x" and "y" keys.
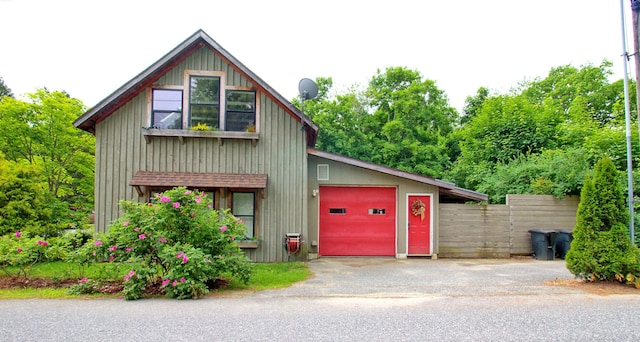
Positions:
{"x": 146, "y": 78}
{"x": 447, "y": 189}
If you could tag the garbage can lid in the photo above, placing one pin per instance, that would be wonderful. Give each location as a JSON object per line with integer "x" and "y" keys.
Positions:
{"x": 565, "y": 231}
{"x": 543, "y": 231}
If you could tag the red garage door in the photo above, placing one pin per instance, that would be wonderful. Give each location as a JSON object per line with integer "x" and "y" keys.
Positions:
{"x": 357, "y": 221}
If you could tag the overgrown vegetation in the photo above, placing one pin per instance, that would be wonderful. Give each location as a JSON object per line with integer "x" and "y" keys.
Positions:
{"x": 539, "y": 138}
{"x": 51, "y": 279}
{"x": 20, "y": 252}
{"x": 602, "y": 249}
{"x": 46, "y": 165}
{"x": 177, "y": 240}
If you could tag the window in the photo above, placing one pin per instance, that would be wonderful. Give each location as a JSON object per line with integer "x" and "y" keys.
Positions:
{"x": 243, "y": 207}
{"x": 166, "y": 109}
{"x": 337, "y": 210}
{"x": 323, "y": 172}
{"x": 240, "y": 111}
{"x": 204, "y": 101}
{"x": 376, "y": 211}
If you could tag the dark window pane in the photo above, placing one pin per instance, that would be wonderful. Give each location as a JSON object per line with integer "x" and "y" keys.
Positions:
{"x": 205, "y": 90}
{"x": 241, "y": 101}
{"x": 241, "y": 110}
{"x": 205, "y": 115}
{"x": 375, "y": 211}
{"x": 240, "y": 122}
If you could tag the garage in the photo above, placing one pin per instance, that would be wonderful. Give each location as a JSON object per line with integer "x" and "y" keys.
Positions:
{"x": 357, "y": 221}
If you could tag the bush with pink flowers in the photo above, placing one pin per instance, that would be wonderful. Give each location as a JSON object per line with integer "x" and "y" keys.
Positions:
{"x": 20, "y": 252}
{"x": 177, "y": 240}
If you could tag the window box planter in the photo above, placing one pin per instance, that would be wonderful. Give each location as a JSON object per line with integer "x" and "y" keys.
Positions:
{"x": 181, "y": 134}
{"x": 248, "y": 244}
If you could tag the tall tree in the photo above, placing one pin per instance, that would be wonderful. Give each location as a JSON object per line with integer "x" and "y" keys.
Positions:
{"x": 400, "y": 121}
{"x": 412, "y": 118}
{"x": 41, "y": 133}
{"x": 602, "y": 249}
{"x": 572, "y": 109}
{"x": 473, "y": 105}
{"x": 4, "y": 89}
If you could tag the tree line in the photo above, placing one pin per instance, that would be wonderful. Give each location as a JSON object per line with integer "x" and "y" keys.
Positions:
{"x": 541, "y": 137}
{"x": 46, "y": 164}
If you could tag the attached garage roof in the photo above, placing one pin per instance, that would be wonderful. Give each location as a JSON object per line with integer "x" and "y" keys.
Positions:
{"x": 447, "y": 189}
{"x": 199, "y": 180}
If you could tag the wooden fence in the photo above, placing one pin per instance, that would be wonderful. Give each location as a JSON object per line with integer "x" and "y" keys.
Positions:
{"x": 501, "y": 230}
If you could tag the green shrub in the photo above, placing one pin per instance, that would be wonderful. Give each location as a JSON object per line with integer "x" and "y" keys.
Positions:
{"x": 22, "y": 252}
{"x": 84, "y": 286}
{"x": 178, "y": 238}
{"x": 601, "y": 248}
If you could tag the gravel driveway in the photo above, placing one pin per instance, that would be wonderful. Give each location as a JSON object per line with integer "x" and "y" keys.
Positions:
{"x": 411, "y": 278}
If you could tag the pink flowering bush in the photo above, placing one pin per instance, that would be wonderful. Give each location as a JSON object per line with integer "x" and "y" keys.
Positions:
{"x": 176, "y": 240}
{"x": 22, "y": 252}
{"x": 188, "y": 272}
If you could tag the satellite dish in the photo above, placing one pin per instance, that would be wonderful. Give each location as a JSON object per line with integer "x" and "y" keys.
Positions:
{"x": 308, "y": 89}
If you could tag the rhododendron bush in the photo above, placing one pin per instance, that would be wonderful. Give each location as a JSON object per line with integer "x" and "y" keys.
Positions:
{"x": 176, "y": 240}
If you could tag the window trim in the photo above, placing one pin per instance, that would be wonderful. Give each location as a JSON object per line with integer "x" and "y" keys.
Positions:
{"x": 186, "y": 96}
{"x": 155, "y": 111}
{"x": 254, "y": 112}
{"x": 150, "y": 132}
{"x": 231, "y": 192}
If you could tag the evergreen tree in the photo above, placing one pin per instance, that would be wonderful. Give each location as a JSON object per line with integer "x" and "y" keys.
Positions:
{"x": 602, "y": 249}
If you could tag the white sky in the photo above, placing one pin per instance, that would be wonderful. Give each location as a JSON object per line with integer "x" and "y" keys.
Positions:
{"x": 90, "y": 48}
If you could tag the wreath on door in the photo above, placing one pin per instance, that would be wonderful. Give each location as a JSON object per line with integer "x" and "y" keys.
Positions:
{"x": 418, "y": 208}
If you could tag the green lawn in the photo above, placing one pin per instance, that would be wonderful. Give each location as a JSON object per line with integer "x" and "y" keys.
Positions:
{"x": 265, "y": 276}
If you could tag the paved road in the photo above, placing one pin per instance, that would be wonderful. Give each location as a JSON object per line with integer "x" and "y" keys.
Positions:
{"x": 361, "y": 299}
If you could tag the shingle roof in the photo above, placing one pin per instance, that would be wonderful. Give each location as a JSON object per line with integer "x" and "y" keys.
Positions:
{"x": 199, "y": 180}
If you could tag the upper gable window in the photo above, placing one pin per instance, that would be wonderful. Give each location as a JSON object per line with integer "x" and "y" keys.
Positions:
{"x": 166, "y": 110}
{"x": 204, "y": 101}
{"x": 241, "y": 110}
{"x": 209, "y": 104}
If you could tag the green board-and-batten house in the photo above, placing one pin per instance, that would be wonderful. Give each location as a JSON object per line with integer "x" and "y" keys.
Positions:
{"x": 260, "y": 162}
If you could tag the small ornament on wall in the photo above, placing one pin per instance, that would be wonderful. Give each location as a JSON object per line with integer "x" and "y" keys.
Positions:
{"x": 418, "y": 208}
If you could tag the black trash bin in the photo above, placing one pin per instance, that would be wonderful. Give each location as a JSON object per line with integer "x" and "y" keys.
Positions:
{"x": 543, "y": 243}
{"x": 563, "y": 242}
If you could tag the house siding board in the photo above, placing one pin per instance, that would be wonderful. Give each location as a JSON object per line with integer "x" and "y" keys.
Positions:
{"x": 121, "y": 151}
{"x": 204, "y": 60}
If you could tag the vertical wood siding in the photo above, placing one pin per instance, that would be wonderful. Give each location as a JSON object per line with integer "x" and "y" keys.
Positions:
{"x": 121, "y": 151}
{"x": 343, "y": 174}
